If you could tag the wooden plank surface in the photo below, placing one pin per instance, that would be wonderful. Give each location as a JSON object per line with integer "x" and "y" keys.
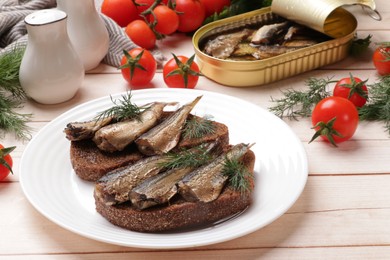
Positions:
{"x": 343, "y": 212}
{"x": 333, "y": 211}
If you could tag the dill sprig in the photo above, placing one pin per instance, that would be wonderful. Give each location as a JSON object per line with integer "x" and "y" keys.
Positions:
{"x": 12, "y": 95}
{"x": 122, "y": 109}
{"x": 359, "y": 46}
{"x": 197, "y": 127}
{"x": 192, "y": 158}
{"x": 238, "y": 7}
{"x": 13, "y": 122}
{"x": 240, "y": 177}
{"x": 9, "y": 72}
{"x": 296, "y": 103}
{"x": 378, "y": 107}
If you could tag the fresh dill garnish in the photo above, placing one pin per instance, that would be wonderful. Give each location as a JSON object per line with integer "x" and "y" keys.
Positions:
{"x": 378, "y": 107}
{"x": 9, "y": 72}
{"x": 296, "y": 103}
{"x": 359, "y": 46}
{"x": 122, "y": 109}
{"x": 240, "y": 177}
{"x": 13, "y": 122}
{"x": 12, "y": 95}
{"x": 237, "y": 7}
{"x": 197, "y": 127}
{"x": 193, "y": 157}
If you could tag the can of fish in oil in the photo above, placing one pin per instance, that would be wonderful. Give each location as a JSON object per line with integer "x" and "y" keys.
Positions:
{"x": 258, "y": 62}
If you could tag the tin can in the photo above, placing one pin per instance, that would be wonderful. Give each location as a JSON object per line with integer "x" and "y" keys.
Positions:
{"x": 254, "y": 73}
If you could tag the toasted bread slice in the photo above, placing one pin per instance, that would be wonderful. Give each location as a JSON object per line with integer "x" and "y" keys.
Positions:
{"x": 90, "y": 163}
{"x": 179, "y": 214}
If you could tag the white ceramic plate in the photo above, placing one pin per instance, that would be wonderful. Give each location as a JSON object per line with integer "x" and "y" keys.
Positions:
{"x": 281, "y": 171}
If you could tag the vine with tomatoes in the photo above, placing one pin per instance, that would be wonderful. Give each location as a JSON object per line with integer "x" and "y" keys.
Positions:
{"x": 167, "y": 16}
{"x": 147, "y": 21}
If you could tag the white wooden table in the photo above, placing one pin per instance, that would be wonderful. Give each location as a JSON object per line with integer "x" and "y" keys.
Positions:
{"x": 343, "y": 212}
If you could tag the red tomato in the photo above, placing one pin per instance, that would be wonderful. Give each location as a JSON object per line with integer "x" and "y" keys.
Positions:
{"x": 5, "y": 161}
{"x": 335, "y": 119}
{"x": 122, "y": 12}
{"x": 141, "y": 34}
{"x": 167, "y": 20}
{"x": 381, "y": 59}
{"x": 214, "y": 6}
{"x": 191, "y": 14}
{"x": 181, "y": 72}
{"x": 138, "y": 67}
{"x": 352, "y": 88}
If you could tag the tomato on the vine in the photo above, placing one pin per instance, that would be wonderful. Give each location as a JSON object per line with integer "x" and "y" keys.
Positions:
{"x": 138, "y": 66}
{"x": 167, "y": 20}
{"x": 121, "y": 11}
{"x": 181, "y": 72}
{"x": 381, "y": 59}
{"x": 335, "y": 119}
{"x": 214, "y": 6}
{"x": 191, "y": 14}
{"x": 141, "y": 34}
{"x": 352, "y": 88}
{"x": 5, "y": 161}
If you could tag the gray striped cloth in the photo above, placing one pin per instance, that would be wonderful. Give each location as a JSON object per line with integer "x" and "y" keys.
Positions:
{"x": 13, "y": 30}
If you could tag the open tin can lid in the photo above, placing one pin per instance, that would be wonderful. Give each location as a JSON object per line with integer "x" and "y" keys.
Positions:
{"x": 326, "y": 16}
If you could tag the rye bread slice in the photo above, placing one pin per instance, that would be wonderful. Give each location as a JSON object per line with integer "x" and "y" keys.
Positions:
{"x": 90, "y": 163}
{"x": 179, "y": 214}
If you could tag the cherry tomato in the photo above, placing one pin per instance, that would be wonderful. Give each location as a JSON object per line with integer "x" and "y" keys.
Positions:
{"x": 138, "y": 66}
{"x": 166, "y": 18}
{"x": 181, "y": 72}
{"x": 352, "y": 88}
{"x": 5, "y": 161}
{"x": 335, "y": 119}
{"x": 214, "y": 6}
{"x": 191, "y": 14}
{"x": 141, "y": 34}
{"x": 381, "y": 59}
{"x": 121, "y": 11}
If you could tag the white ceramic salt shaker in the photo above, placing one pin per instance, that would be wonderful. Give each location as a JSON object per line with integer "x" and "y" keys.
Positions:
{"x": 86, "y": 30}
{"x": 51, "y": 71}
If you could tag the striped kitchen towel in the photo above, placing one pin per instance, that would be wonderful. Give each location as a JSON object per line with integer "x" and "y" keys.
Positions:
{"x": 13, "y": 30}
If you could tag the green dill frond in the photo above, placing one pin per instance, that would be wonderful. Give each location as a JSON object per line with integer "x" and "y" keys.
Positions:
{"x": 297, "y": 103}
{"x": 239, "y": 176}
{"x": 359, "y": 45}
{"x": 122, "y": 109}
{"x": 193, "y": 157}
{"x": 9, "y": 73}
{"x": 12, "y": 95}
{"x": 198, "y": 127}
{"x": 13, "y": 122}
{"x": 378, "y": 107}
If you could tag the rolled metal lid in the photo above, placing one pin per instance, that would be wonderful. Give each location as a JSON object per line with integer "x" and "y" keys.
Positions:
{"x": 326, "y": 16}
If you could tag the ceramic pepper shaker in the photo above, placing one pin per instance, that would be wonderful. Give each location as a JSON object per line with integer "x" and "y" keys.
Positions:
{"x": 51, "y": 71}
{"x": 86, "y": 30}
